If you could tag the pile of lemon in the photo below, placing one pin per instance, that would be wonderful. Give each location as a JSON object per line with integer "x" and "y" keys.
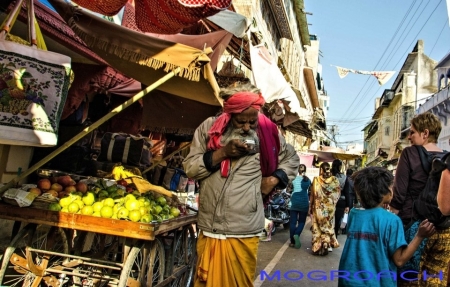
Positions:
{"x": 117, "y": 204}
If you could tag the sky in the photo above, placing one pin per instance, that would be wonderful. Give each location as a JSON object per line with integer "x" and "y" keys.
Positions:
{"x": 370, "y": 35}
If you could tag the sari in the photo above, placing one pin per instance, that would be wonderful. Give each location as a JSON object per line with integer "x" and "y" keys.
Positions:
{"x": 325, "y": 194}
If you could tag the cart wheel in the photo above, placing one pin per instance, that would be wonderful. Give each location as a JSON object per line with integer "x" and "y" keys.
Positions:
{"x": 132, "y": 272}
{"x": 155, "y": 264}
{"x": 40, "y": 237}
{"x": 144, "y": 265}
{"x": 185, "y": 255}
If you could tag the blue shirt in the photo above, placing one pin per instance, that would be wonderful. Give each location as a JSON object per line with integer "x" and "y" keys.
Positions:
{"x": 299, "y": 196}
{"x": 373, "y": 236}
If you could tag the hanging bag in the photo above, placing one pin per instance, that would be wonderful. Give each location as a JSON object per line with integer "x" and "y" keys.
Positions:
{"x": 33, "y": 87}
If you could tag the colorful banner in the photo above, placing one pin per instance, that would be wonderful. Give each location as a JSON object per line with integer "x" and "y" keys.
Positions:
{"x": 382, "y": 76}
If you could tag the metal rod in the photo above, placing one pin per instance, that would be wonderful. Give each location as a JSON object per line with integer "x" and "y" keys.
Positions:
{"x": 166, "y": 157}
{"x": 89, "y": 129}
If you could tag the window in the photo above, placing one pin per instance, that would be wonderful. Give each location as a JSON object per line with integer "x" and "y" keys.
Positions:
{"x": 386, "y": 131}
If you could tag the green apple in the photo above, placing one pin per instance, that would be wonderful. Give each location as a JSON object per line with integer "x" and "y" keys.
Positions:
{"x": 147, "y": 218}
{"x": 97, "y": 206}
{"x": 123, "y": 213}
{"x": 54, "y": 206}
{"x": 88, "y": 198}
{"x": 134, "y": 215}
{"x": 106, "y": 211}
{"x": 175, "y": 212}
{"x": 132, "y": 204}
{"x": 108, "y": 202}
{"x": 87, "y": 210}
{"x": 73, "y": 207}
{"x": 65, "y": 201}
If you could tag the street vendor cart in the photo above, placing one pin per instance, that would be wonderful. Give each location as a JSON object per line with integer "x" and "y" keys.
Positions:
{"x": 64, "y": 249}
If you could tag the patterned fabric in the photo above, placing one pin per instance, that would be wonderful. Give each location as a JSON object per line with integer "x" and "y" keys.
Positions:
{"x": 33, "y": 89}
{"x": 160, "y": 16}
{"x": 326, "y": 193}
{"x": 414, "y": 262}
{"x": 435, "y": 259}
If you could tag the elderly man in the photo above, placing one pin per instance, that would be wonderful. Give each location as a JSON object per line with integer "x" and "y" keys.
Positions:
{"x": 238, "y": 158}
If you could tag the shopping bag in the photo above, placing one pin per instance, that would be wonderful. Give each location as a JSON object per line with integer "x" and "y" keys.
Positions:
{"x": 33, "y": 88}
{"x": 344, "y": 220}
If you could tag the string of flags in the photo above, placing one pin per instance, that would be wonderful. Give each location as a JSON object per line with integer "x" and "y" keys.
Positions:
{"x": 382, "y": 76}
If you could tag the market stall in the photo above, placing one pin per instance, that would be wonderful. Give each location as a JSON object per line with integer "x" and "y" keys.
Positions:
{"x": 58, "y": 247}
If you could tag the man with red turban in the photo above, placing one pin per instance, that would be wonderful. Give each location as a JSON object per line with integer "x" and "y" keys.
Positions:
{"x": 238, "y": 158}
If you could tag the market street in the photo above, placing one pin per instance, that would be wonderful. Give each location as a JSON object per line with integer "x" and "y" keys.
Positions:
{"x": 277, "y": 257}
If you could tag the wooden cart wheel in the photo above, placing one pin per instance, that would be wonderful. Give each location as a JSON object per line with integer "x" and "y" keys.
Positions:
{"x": 185, "y": 255}
{"x": 16, "y": 272}
{"x": 155, "y": 264}
{"x": 144, "y": 265}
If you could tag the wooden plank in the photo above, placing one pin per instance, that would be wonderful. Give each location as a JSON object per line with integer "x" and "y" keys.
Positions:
{"x": 144, "y": 231}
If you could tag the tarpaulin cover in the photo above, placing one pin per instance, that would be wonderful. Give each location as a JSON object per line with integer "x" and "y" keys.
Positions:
{"x": 160, "y": 16}
{"x": 145, "y": 58}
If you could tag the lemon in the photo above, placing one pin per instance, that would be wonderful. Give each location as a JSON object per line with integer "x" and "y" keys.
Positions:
{"x": 106, "y": 211}
{"x": 134, "y": 215}
{"x": 97, "y": 206}
{"x": 108, "y": 202}
{"x": 87, "y": 210}
{"x": 73, "y": 207}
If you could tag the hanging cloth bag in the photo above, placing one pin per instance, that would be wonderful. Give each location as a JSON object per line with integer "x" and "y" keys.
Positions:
{"x": 33, "y": 87}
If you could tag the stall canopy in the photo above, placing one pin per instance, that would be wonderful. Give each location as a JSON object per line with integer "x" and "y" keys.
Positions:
{"x": 160, "y": 16}
{"x": 331, "y": 154}
{"x": 145, "y": 58}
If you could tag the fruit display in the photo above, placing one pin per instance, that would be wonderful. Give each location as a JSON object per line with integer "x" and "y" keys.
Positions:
{"x": 107, "y": 199}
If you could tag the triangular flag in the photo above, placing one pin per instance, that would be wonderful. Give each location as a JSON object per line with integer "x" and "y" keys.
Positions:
{"x": 342, "y": 72}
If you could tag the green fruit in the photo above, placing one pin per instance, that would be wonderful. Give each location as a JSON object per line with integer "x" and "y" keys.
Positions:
{"x": 161, "y": 200}
{"x": 123, "y": 213}
{"x": 112, "y": 188}
{"x": 88, "y": 198}
{"x": 132, "y": 204}
{"x": 108, "y": 202}
{"x": 65, "y": 201}
{"x": 97, "y": 214}
{"x": 103, "y": 193}
{"x": 97, "y": 206}
{"x": 106, "y": 211}
{"x": 157, "y": 209}
{"x": 54, "y": 206}
{"x": 64, "y": 209}
{"x": 73, "y": 207}
{"x": 134, "y": 215}
{"x": 175, "y": 212}
{"x": 129, "y": 197}
{"x": 147, "y": 218}
{"x": 79, "y": 202}
{"x": 87, "y": 210}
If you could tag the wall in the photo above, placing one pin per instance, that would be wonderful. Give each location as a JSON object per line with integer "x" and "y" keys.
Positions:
{"x": 11, "y": 159}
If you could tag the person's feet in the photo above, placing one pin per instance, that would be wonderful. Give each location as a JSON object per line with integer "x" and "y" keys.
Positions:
{"x": 330, "y": 249}
{"x": 298, "y": 244}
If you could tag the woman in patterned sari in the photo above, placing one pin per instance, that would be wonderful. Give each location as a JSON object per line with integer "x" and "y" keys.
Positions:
{"x": 325, "y": 193}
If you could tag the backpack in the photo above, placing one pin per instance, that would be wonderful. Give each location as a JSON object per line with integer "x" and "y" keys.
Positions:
{"x": 425, "y": 205}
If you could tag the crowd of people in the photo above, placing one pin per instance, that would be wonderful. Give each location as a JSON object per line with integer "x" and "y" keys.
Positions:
{"x": 237, "y": 178}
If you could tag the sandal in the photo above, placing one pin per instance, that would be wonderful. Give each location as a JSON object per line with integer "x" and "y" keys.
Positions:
{"x": 291, "y": 245}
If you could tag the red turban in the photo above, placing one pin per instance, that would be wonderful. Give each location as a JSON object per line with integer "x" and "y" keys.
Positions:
{"x": 236, "y": 104}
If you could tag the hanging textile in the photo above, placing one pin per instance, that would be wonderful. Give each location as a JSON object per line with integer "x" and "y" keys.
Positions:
{"x": 160, "y": 16}
{"x": 382, "y": 77}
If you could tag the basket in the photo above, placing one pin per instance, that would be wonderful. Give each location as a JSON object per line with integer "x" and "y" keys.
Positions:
{"x": 16, "y": 106}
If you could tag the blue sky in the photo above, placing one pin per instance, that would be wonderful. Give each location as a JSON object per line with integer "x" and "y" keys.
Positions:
{"x": 370, "y": 35}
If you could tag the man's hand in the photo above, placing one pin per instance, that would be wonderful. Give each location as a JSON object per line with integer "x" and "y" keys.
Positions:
{"x": 235, "y": 149}
{"x": 347, "y": 209}
{"x": 268, "y": 184}
{"x": 426, "y": 229}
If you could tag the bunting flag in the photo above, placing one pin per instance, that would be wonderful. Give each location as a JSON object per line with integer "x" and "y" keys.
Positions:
{"x": 382, "y": 76}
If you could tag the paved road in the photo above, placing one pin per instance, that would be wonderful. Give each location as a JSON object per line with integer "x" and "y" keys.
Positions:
{"x": 276, "y": 257}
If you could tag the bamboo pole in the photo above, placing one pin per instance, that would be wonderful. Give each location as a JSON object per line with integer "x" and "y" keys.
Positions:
{"x": 166, "y": 157}
{"x": 89, "y": 129}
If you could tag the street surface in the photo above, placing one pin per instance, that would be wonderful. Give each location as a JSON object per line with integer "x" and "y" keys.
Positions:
{"x": 276, "y": 257}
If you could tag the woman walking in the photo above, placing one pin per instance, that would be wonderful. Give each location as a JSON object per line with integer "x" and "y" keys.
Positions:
{"x": 325, "y": 192}
{"x": 299, "y": 205}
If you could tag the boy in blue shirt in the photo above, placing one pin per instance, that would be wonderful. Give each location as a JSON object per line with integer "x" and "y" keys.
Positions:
{"x": 375, "y": 244}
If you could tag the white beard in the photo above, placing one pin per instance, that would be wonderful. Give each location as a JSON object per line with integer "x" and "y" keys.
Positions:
{"x": 231, "y": 134}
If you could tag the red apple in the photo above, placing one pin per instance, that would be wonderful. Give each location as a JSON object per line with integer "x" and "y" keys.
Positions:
{"x": 35, "y": 190}
{"x": 44, "y": 184}
{"x": 81, "y": 187}
{"x": 65, "y": 180}
{"x": 70, "y": 188}
{"x": 56, "y": 186}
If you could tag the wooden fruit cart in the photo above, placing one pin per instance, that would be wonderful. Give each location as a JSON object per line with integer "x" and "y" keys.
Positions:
{"x": 64, "y": 249}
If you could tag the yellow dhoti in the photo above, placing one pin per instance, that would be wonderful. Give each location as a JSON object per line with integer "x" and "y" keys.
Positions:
{"x": 227, "y": 262}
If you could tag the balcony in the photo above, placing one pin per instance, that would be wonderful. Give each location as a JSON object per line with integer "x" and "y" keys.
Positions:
{"x": 387, "y": 97}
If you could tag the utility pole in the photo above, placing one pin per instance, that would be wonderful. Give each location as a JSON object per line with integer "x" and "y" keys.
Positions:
{"x": 334, "y": 130}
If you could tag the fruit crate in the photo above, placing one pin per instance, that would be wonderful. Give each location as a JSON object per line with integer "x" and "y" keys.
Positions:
{"x": 136, "y": 230}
